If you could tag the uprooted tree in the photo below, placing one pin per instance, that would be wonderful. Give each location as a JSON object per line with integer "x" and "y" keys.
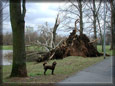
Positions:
{"x": 74, "y": 45}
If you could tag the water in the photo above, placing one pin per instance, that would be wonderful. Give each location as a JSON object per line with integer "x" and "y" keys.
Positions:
{"x": 6, "y": 61}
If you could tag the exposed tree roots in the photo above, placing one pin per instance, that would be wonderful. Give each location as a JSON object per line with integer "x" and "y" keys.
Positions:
{"x": 74, "y": 45}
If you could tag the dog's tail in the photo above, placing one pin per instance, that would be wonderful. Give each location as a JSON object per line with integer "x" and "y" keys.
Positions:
{"x": 44, "y": 63}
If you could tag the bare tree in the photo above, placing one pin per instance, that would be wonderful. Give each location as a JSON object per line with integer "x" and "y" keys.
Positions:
{"x": 113, "y": 21}
{"x": 111, "y": 3}
{"x": 94, "y": 22}
{"x": 73, "y": 11}
{"x": 100, "y": 19}
{"x": 80, "y": 10}
{"x": 81, "y": 16}
{"x": 95, "y": 11}
{"x": 1, "y": 44}
{"x": 1, "y": 24}
{"x": 100, "y": 31}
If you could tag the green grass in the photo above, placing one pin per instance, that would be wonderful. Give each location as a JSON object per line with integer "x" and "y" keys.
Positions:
{"x": 31, "y": 48}
{"x": 107, "y": 49}
{"x": 64, "y": 68}
{"x": 39, "y": 48}
{"x": 35, "y": 48}
{"x": 7, "y": 47}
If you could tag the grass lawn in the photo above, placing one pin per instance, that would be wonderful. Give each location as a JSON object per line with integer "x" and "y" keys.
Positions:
{"x": 7, "y": 47}
{"x": 64, "y": 68}
{"x": 107, "y": 49}
{"x": 35, "y": 48}
{"x": 38, "y": 48}
{"x": 31, "y": 48}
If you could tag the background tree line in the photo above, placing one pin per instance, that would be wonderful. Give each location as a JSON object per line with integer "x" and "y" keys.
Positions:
{"x": 30, "y": 37}
{"x": 33, "y": 36}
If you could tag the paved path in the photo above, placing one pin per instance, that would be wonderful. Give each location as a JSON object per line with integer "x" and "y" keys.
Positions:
{"x": 98, "y": 73}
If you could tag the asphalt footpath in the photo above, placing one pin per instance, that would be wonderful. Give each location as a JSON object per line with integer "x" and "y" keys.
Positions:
{"x": 97, "y": 73}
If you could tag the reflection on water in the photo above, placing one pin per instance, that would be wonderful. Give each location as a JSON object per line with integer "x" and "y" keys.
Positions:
{"x": 6, "y": 61}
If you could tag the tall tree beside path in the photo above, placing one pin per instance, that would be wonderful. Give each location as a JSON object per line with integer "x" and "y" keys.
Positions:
{"x": 0, "y": 42}
{"x": 111, "y": 3}
{"x": 113, "y": 38}
{"x": 1, "y": 18}
{"x": 95, "y": 8}
{"x": 113, "y": 21}
{"x": 18, "y": 26}
{"x": 94, "y": 22}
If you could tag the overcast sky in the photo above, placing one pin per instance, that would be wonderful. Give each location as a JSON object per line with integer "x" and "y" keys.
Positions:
{"x": 36, "y": 14}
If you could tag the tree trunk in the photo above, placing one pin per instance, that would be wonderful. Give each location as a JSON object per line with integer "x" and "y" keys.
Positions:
{"x": 111, "y": 2}
{"x": 94, "y": 23}
{"x": 1, "y": 43}
{"x": 100, "y": 32}
{"x": 18, "y": 25}
{"x": 57, "y": 22}
{"x": 1, "y": 24}
{"x": 113, "y": 21}
{"x": 81, "y": 16}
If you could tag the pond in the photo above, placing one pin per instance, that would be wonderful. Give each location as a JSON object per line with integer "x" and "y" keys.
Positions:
{"x": 6, "y": 61}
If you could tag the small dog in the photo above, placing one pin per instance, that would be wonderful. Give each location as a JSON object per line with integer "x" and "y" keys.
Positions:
{"x": 51, "y": 67}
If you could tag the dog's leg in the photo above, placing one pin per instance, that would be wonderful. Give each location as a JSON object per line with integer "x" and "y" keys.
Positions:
{"x": 45, "y": 71}
{"x": 52, "y": 72}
